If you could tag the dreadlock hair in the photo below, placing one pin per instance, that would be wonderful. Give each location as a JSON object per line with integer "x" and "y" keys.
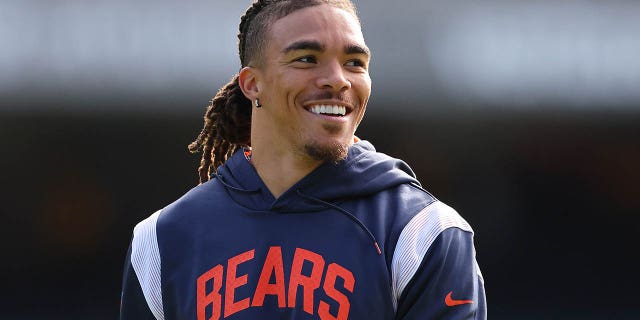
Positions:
{"x": 227, "y": 120}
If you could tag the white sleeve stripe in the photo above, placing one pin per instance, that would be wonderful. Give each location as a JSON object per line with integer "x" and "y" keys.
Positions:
{"x": 416, "y": 238}
{"x": 145, "y": 258}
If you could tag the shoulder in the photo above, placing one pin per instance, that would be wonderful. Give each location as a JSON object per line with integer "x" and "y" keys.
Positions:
{"x": 146, "y": 245}
{"x": 192, "y": 202}
{"x": 435, "y": 255}
{"x": 419, "y": 236}
{"x": 421, "y": 231}
{"x": 145, "y": 248}
{"x": 432, "y": 220}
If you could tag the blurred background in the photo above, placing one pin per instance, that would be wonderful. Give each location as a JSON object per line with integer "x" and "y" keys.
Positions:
{"x": 522, "y": 115}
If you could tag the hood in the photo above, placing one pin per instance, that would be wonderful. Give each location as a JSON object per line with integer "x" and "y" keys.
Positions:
{"x": 364, "y": 172}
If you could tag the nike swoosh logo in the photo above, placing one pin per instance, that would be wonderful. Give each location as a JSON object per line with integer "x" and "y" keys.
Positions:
{"x": 452, "y": 303}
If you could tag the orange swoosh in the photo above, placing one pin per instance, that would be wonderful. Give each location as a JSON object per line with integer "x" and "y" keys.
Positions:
{"x": 451, "y": 303}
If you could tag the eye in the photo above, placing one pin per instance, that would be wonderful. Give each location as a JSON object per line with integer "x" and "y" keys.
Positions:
{"x": 355, "y": 63}
{"x": 306, "y": 59}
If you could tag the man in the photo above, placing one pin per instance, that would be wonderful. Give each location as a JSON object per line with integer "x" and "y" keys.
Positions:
{"x": 295, "y": 217}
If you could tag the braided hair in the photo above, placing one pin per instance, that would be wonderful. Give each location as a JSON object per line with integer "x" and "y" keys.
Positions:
{"x": 227, "y": 120}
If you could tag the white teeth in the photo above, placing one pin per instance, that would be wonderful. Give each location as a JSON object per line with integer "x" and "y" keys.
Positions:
{"x": 323, "y": 109}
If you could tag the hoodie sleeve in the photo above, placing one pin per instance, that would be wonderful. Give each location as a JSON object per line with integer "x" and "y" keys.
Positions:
{"x": 434, "y": 270}
{"x": 133, "y": 304}
{"x": 141, "y": 287}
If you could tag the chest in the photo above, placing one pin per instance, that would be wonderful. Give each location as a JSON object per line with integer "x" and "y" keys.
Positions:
{"x": 311, "y": 266}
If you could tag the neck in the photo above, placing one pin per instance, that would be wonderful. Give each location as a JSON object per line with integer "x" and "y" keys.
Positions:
{"x": 280, "y": 171}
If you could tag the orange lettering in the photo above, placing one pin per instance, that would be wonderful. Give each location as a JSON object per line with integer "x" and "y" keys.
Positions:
{"x": 333, "y": 271}
{"x": 233, "y": 282}
{"x": 309, "y": 283}
{"x": 272, "y": 265}
{"x": 212, "y": 298}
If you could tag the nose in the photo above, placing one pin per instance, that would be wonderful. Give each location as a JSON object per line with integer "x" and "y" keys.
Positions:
{"x": 333, "y": 77}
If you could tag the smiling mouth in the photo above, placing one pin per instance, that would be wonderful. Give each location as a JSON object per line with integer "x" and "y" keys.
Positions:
{"x": 329, "y": 110}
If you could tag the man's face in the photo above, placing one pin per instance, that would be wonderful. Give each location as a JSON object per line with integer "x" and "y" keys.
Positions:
{"x": 315, "y": 82}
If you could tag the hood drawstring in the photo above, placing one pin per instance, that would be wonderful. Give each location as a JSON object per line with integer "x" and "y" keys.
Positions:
{"x": 346, "y": 213}
{"x": 310, "y": 198}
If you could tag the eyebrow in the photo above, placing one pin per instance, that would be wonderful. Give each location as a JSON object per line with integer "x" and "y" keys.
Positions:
{"x": 357, "y": 49}
{"x": 317, "y": 46}
{"x": 304, "y": 45}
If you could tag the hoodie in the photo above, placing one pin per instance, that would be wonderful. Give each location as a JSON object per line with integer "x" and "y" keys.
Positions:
{"x": 359, "y": 239}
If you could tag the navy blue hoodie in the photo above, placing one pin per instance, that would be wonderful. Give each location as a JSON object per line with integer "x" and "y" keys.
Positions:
{"x": 355, "y": 240}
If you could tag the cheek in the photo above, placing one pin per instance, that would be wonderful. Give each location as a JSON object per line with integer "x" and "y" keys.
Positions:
{"x": 288, "y": 87}
{"x": 363, "y": 86}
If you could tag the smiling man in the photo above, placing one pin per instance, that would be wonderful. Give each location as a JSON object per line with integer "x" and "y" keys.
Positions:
{"x": 295, "y": 217}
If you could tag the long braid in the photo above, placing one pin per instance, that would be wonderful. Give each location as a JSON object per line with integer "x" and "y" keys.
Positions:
{"x": 227, "y": 120}
{"x": 227, "y": 127}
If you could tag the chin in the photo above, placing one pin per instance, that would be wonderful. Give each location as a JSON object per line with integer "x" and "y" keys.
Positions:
{"x": 333, "y": 151}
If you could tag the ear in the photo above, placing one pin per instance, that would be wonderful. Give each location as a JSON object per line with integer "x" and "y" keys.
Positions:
{"x": 248, "y": 82}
